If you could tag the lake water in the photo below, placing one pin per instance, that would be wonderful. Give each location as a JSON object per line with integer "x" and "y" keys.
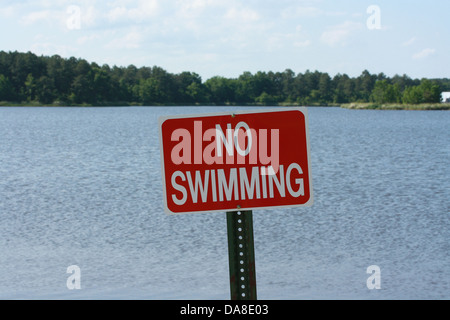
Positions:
{"x": 82, "y": 186}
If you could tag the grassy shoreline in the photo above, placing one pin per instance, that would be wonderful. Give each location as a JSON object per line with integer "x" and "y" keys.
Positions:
{"x": 398, "y": 106}
{"x": 352, "y": 106}
{"x": 126, "y": 104}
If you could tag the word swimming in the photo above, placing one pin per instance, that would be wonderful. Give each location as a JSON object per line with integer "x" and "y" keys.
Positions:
{"x": 237, "y": 184}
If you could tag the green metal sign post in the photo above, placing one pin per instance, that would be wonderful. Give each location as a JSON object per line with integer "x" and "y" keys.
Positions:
{"x": 241, "y": 252}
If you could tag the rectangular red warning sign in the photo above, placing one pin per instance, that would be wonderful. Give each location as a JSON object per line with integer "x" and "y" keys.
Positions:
{"x": 236, "y": 161}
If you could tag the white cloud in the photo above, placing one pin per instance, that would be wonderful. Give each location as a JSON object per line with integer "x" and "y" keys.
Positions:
{"x": 424, "y": 54}
{"x": 339, "y": 35}
{"x": 132, "y": 40}
{"x": 302, "y": 44}
{"x": 37, "y": 16}
{"x": 117, "y": 13}
{"x": 59, "y": 14}
{"x": 301, "y": 12}
{"x": 86, "y": 39}
{"x": 142, "y": 10}
{"x": 230, "y": 25}
{"x": 7, "y": 12}
{"x": 308, "y": 11}
{"x": 189, "y": 15}
{"x": 50, "y": 49}
{"x": 186, "y": 34}
{"x": 89, "y": 16}
{"x": 243, "y": 15}
{"x": 279, "y": 41}
{"x": 193, "y": 7}
{"x": 409, "y": 42}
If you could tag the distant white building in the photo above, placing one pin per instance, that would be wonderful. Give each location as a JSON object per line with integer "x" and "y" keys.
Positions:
{"x": 445, "y": 97}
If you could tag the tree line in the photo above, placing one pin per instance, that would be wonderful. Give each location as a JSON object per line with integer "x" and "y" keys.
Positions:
{"x": 28, "y": 78}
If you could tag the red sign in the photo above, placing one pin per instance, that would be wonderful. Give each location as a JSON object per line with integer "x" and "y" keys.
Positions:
{"x": 234, "y": 162}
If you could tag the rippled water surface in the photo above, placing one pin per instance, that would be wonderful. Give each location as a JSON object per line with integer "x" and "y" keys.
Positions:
{"x": 83, "y": 187}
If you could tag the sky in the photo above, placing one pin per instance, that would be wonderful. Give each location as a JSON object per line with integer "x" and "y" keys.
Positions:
{"x": 228, "y": 37}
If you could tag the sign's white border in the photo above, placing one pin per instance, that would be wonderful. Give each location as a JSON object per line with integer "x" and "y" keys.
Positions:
{"x": 163, "y": 119}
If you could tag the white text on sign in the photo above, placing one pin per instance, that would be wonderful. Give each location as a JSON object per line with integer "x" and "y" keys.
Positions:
{"x": 232, "y": 183}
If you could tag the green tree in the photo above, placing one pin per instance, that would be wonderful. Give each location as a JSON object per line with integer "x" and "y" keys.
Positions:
{"x": 287, "y": 83}
{"x": 45, "y": 90}
{"x": 6, "y": 89}
{"x": 413, "y": 95}
{"x": 364, "y": 85}
{"x": 82, "y": 89}
{"x": 431, "y": 91}
{"x": 343, "y": 89}
{"x": 149, "y": 91}
{"x": 30, "y": 88}
{"x": 190, "y": 88}
{"x": 426, "y": 92}
{"x": 103, "y": 87}
{"x": 245, "y": 88}
{"x": 264, "y": 82}
{"x": 403, "y": 82}
{"x": 60, "y": 72}
{"x": 27, "y": 77}
{"x": 385, "y": 92}
{"x": 325, "y": 88}
{"x": 164, "y": 85}
{"x": 196, "y": 93}
{"x": 311, "y": 82}
{"x": 314, "y": 97}
{"x": 266, "y": 99}
{"x": 221, "y": 90}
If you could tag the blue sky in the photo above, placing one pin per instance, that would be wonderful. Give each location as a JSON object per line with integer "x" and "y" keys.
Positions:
{"x": 228, "y": 37}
